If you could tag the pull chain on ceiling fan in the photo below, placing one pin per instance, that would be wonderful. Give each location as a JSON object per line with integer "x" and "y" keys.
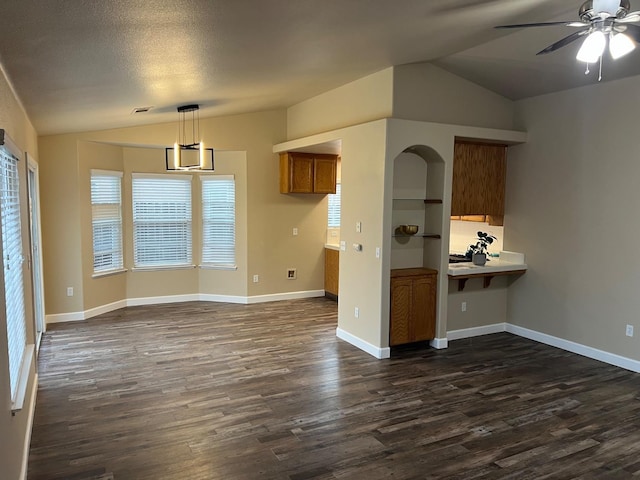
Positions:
{"x": 601, "y": 22}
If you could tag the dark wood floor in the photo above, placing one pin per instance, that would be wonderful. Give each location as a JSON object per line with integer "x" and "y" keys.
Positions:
{"x": 216, "y": 391}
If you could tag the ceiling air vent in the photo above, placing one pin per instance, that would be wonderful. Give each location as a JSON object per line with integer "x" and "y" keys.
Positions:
{"x": 140, "y": 110}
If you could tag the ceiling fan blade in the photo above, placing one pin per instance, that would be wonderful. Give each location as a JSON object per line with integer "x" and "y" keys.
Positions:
{"x": 543, "y": 24}
{"x": 564, "y": 42}
{"x": 629, "y": 17}
{"x": 633, "y": 31}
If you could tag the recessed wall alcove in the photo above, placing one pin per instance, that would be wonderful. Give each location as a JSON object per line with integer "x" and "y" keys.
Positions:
{"x": 418, "y": 190}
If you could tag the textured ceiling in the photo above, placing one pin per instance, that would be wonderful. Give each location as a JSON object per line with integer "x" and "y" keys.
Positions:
{"x": 81, "y": 65}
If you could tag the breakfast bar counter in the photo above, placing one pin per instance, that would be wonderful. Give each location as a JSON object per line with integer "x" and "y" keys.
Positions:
{"x": 509, "y": 263}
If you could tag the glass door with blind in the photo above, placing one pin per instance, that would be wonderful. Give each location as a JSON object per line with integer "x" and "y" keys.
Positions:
{"x": 36, "y": 255}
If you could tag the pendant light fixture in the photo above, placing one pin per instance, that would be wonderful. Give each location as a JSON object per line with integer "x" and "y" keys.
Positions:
{"x": 189, "y": 152}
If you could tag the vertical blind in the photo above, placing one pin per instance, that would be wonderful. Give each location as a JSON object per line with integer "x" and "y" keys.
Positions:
{"x": 161, "y": 220}
{"x": 12, "y": 262}
{"x": 219, "y": 221}
{"x": 333, "y": 220}
{"x": 106, "y": 210}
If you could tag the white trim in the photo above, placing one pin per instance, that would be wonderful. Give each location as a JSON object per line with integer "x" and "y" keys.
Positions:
{"x": 439, "y": 343}
{"x": 193, "y": 297}
{"x": 94, "y": 312}
{"x": 276, "y": 297}
{"x": 135, "y": 302}
{"x": 63, "y": 317}
{"x": 210, "y": 297}
{"x": 584, "y": 350}
{"x": 25, "y": 370}
{"x": 216, "y": 266}
{"x": 27, "y": 438}
{"x": 377, "y": 352}
{"x": 476, "y": 331}
{"x": 106, "y": 273}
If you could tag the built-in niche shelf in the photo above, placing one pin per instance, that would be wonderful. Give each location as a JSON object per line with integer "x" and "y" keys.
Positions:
{"x": 419, "y": 235}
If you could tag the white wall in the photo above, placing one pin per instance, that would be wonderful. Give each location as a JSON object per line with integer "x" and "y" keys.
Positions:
{"x": 422, "y": 91}
{"x": 369, "y": 98}
{"x": 572, "y": 206}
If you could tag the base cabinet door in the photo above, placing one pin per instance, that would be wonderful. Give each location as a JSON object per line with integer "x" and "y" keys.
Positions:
{"x": 413, "y": 305}
{"x": 331, "y": 272}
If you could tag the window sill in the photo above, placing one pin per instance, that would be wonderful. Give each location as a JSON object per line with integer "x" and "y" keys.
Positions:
{"x": 162, "y": 267}
{"x": 27, "y": 360}
{"x": 106, "y": 273}
{"x": 218, "y": 267}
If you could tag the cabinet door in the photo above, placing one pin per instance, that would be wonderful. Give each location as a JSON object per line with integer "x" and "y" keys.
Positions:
{"x": 300, "y": 173}
{"x": 331, "y": 271}
{"x": 400, "y": 321}
{"x": 324, "y": 174}
{"x": 479, "y": 173}
{"x": 423, "y": 308}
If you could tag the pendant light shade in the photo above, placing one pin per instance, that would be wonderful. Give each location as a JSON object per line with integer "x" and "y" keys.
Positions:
{"x": 619, "y": 45}
{"x": 189, "y": 152}
{"x": 592, "y": 47}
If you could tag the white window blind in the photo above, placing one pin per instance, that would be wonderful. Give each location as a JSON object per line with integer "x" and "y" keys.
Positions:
{"x": 161, "y": 220}
{"x": 219, "y": 221}
{"x": 106, "y": 210}
{"x": 333, "y": 220}
{"x": 12, "y": 262}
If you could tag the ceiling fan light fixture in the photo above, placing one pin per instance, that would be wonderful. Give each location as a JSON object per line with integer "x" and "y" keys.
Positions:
{"x": 592, "y": 48}
{"x": 620, "y": 44}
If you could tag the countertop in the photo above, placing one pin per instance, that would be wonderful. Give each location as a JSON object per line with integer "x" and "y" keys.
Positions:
{"x": 332, "y": 246}
{"x": 507, "y": 262}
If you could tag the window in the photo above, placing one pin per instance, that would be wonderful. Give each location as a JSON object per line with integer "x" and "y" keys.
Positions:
{"x": 106, "y": 211}
{"x": 161, "y": 220}
{"x": 334, "y": 209}
{"x": 12, "y": 262}
{"x": 219, "y": 221}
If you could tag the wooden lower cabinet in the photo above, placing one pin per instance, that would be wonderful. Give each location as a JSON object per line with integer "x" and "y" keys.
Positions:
{"x": 331, "y": 272}
{"x": 413, "y": 305}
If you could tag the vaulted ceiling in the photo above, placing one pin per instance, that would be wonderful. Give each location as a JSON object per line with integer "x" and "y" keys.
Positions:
{"x": 81, "y": 65}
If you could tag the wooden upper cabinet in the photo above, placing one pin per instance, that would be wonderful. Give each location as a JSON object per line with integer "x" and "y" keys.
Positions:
{"x": 479, "y": 179}
{"x": 308, "y": 173}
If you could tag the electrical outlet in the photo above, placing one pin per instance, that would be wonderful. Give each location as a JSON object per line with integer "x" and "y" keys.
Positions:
{"x": 463, "y": 306}
{"x": 295, "y": 231}
{"x": 629, "y": 331}
{"x": 291, "y": 274}
{"x": 256, "y": 278}
{"x": 69, "y": 291}
{"x": 356, "y": 312}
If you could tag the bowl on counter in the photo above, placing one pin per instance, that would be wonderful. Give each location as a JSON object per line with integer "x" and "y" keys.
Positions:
{"x": 408, "y": 229}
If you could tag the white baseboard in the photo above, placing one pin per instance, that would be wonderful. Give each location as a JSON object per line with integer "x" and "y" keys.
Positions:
{"x": 135, "y": 302}
{"x": 439, "y": 343}
{"x": 377, "y": 352}
{"x": 64, "y": 317}
{"x": 476, "y": 331}
{"x": 27, "y": 438}
{"x": 601, "y": 355}
{"x": 276, "y": 297}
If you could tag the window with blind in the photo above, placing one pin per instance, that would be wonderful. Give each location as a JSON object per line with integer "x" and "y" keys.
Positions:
{"x": 106, "y": 211}
{"x": 12, "y": 262}
{"x": 161, "y": 220}
{"x": 333, "y": 220}
{"x": 218, "y": 221}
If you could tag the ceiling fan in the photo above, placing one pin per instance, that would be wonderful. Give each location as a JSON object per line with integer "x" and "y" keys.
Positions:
{"x": 601, "y": 21}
